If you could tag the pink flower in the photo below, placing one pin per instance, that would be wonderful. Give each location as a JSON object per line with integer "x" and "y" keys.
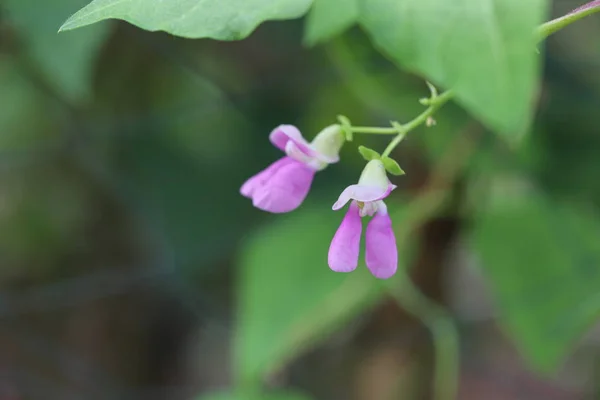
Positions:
{"x": 366, "y": 199}
{"x": 283, "y": 185}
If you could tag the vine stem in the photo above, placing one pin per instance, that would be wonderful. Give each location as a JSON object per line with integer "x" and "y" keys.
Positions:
{"x": 550, "y": 27}
{"x": 434, "y": 104}
{"x": 444, "y": 336}
{"x": 401, "y": 130}
{"x": 374, "y": 130}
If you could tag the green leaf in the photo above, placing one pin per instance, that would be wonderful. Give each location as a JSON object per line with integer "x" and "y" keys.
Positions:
{"x": 216, "y": 19}
{"x": 261, "y": 396}
{"x": 483, "y": 49}
{"x": 329, "y": 18}
{"x": 392, "y": 166}
{"x": 543, "y": 261}
{"x": 368, "y": 154}
{"x": 66, "y": 61}
{"x": 288, "y": 297}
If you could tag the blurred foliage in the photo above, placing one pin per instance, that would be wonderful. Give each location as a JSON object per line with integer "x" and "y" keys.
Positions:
{"x": 283, "y": 310}
{"x": 542, "y": 259}
{"x": 123, "y": 151}
{"x": 22, "y": 100}
{"x": 328, "y": 18}
{"x": 262, "y": 396}
{"x": 66, "y": 61}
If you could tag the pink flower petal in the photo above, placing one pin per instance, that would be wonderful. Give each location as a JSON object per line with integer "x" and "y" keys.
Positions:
{"x": 362, "y": 193}
{"x": 345, "y": 246}
{"x": 382, "y": 253}
{"x": 258, "y": 180}
{"x": 284, "y": 133}
{"x": 281, "y": 135}
{"x": 285, "y": 189}
{"x": 294, "y": 152}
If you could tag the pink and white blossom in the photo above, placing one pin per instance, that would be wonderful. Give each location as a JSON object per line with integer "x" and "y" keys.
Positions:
{"x": 284, "y": 185}
{"x": 366, "y": 199}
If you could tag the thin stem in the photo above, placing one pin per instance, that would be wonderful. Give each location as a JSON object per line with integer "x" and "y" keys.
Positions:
{"x": 402, "y": 130}
{"x": 444, "y": 336}
{"x": 550, "y": 27}
{"x": 373, "y": 130}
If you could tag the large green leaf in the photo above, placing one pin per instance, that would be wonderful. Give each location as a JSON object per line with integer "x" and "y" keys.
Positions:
{"x": 288, "y": 296}
{"x": 328, "y": 18}
{"x": 483, "y": 49}
{"x": 66, "y": 61}
{"x": 217, "y": 19}
{"x": 543, "y": 261}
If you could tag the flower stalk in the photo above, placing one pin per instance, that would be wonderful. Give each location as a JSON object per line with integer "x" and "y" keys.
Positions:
{"x": 550, "y": 27}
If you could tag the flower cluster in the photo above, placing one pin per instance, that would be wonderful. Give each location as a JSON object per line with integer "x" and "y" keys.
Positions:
{"x": 284, "y": 185}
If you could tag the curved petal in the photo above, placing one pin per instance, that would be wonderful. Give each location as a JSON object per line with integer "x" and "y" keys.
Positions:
{"x": 324, "y": 158}
{"x": 382, "y": 253}
{"x": 345, "y": 245}
{"x": 258, "y": 180}
{"x": 362, "y": 193}
{"x": 286, "y": 189}
{"x": 284, "y": 133}
{"x": 293, "y": 151}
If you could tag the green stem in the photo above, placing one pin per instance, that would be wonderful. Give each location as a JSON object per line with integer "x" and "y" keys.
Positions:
{"x": 444, "y": 336}
{"x": 550, "y": 27}
{"x": 374, "y": 130}
{"x": 402, "y": 130}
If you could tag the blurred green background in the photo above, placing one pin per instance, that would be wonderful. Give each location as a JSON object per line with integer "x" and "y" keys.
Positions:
{"x": 130, "y": 266}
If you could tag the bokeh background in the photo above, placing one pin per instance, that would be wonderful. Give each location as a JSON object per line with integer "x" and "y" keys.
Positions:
{"x": 131, "y": 268}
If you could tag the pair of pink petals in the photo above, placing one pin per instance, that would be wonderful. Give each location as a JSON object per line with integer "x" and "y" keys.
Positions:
{"x": 381, "y": 251}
